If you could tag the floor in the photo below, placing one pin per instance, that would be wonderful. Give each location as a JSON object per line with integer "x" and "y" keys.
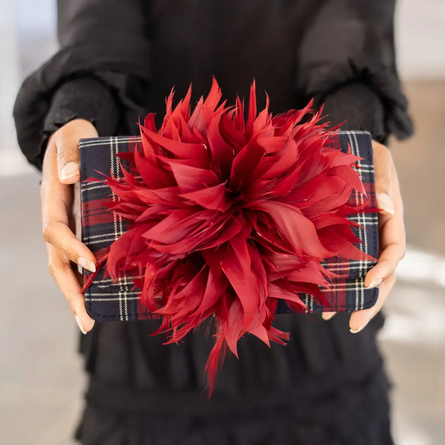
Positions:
{"x": 41, "y": 379}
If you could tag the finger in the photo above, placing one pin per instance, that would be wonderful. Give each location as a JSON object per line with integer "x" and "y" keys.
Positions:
{"x": 66, "y": 279}
{"x": 385, "y": 267}
{"x": 59, "y": 235}
{"x": 56, "y": 204}
{"x": 360, "y": 319}
{"x": 383, "y": 164}
{"x": 392, "y": 239}
{"x": 66, "y": 141}
{"x": 67, "y": 157}
{"x": 327, "y": 315}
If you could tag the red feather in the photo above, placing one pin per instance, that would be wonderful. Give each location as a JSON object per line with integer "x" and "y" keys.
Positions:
{"x": 229, "y": 214}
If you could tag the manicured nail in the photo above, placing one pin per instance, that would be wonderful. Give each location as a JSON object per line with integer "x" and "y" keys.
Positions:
{"x": 385, "y": 203}
{"x": 69, "y": 170}
{"x": 328, "y": 315}
{"x": 356, "y": 331}
{"x": 79, "y": 323}
{"x": 87, "y": 264}
{"x": 374, "y": 283}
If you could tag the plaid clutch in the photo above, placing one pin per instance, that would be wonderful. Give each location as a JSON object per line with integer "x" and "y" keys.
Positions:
{"x": 120, "y": 301}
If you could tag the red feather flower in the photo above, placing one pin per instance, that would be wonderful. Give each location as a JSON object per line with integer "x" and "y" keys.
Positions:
{"x": 227, "y": 215}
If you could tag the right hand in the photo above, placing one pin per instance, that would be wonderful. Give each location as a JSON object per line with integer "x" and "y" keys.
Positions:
{"x": 61, "y": 170}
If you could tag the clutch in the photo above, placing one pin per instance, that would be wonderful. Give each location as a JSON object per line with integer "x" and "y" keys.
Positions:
{"x": 215, "y": 216}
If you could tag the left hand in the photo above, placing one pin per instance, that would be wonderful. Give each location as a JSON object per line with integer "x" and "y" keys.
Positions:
{"x": 391, "y": 234}
{"x": 60, "y": 171}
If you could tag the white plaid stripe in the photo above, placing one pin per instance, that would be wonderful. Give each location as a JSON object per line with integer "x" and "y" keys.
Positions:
{"x": 109, "y": 299}
{"x": 356, "y": 285}
{"x": 356, "y": 265}
{"x": 108, "y": 281}
{"x": 367, "y": 219}
{"x": 118, "y": 227}
{"x": 359, "y": 299}
{"x": 87, "y": 187}
{"x": 115, "y": 140}
{"x": 101, "y": 241}
{"x": 113, "y": 197}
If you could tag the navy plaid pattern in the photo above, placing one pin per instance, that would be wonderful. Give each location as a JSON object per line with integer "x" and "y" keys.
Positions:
{"x": 350, "y": 294}
{"x": 108, "y": 301}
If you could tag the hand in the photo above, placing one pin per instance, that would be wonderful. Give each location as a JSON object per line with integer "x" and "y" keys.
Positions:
{"x": 392, "y": 236}
{"x": 60, "y": 171}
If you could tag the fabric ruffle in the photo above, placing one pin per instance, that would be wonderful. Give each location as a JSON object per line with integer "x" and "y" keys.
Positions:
{"x": 104, "y": 93}
{"x": 326, "y": 386}
{"x": 328, "y": 82}
{"x": 353, "y": 415}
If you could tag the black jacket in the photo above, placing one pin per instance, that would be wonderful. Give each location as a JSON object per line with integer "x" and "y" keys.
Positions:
{"x": 120, "y": 58}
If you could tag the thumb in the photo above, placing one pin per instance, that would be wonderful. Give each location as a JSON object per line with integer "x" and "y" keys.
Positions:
{"x": 66, "y": 140}
{"x": 383, "y": 165}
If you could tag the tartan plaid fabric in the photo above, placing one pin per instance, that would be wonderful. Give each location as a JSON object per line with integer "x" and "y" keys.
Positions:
{"x": 108, "y": 301}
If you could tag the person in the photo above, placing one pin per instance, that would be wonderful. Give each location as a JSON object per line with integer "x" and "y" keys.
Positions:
{"x": 118, "y": 60}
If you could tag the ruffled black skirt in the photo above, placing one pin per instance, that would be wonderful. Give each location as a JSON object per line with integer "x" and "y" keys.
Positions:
{"x": 326, "y": 387}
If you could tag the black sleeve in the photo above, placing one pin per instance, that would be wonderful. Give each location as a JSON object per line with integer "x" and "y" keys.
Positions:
{"x": 84, "y": 98}
{"x": 347, "y": 61}
{"x": 358, "y": 107}
{"x": 104, "y": 48}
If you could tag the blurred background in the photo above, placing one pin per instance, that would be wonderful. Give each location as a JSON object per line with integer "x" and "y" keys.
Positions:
{"x": 41, "y": 379}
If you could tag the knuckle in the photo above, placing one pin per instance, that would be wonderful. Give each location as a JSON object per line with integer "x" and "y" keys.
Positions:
{"x": 399, "y": 252}
{"x": 382, "y": 149}
{"x": 379, "y": 149}
{"x": 382, "y": 180}
{"x": 67, "y": 147}
{"x": 47, "y": 232}
{"x": 403, "y": 253}
{"x": 55, "y": 265}
{"x": 383, "y": 185}
{"x": 52, "y": 269}
{"x": 53, "y": 142}
{"x": 69, "y": 300}
{"x": 62, "y": 150}
{"x": 390, "y": 283}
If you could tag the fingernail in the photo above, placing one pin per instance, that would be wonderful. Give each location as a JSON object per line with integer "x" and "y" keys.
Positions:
{"x": 87, "y": 264}
{"x": 79, "y": 323}
{"x": 327, "y": 315}
{"x": 374, "y": 283}
{"x": 356, "y": 331}
{"x": 69, "y": 170}
{"x": 385, "y": 203}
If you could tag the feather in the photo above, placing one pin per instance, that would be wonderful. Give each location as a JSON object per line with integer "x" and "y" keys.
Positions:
{"x": 226, "y": 215}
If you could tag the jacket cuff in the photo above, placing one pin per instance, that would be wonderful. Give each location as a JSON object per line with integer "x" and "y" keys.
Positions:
{"x": 359, "y": 107}
{"x": 382, "y": 82}
{"x": 81, "y": 98}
